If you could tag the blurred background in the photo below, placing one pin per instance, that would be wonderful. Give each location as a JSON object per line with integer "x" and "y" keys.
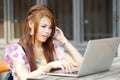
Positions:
{"x": 80, "y": 20}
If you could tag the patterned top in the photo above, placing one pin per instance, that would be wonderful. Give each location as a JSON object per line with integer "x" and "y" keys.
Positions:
{"x": 16, "y": 52}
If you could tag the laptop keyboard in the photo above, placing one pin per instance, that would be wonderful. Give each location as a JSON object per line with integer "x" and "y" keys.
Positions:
{"x": 72, "y": 71}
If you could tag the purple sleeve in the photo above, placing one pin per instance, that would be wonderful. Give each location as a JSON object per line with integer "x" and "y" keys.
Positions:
{"x": 14, "y": 52}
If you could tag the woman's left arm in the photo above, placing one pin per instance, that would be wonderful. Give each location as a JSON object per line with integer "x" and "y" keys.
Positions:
{"x": 73, "y": 52}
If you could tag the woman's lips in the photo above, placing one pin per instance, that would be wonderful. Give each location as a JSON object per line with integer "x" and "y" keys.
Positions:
{"x": 44, "y": 36}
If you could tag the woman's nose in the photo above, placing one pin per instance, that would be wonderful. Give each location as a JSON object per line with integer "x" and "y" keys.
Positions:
{"x": 47, "y": 30}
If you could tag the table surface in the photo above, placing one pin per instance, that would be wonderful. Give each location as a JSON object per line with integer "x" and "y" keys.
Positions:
{"x": 112, "y": 74}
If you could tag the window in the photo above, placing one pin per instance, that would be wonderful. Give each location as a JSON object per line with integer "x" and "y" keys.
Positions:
{"x": 12, "y": 15}
{"x": 17, "y": 17}
{"x": 80, "y": 20}
{"x": 97, "y": 19}
{"x": 63, "y": 10}
{"x": 20, "y": 7}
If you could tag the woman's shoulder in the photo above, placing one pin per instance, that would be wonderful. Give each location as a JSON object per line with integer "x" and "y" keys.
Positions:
{"x": 11, "y": 47}
{"x": 14, "y": 51}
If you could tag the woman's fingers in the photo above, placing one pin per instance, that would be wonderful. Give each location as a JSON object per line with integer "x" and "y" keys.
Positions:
{"x": 67, "y": 67}
{"x": 64, "y": 65}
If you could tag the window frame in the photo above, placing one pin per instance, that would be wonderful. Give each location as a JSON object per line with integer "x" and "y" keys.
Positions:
{"x": 4, "y": 39}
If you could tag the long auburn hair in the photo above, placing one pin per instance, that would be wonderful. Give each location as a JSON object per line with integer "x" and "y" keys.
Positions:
{"x": 27, "y": 41}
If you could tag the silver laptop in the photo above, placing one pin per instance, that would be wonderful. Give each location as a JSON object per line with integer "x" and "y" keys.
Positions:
{"x": 97, "y": 58}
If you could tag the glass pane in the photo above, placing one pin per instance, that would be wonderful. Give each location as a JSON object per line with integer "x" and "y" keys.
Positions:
{"x": 97, "y": 19}
{"x": 63, "y": 10}
{"x": 1, "y": 19}
{"x": 20, "y": 9}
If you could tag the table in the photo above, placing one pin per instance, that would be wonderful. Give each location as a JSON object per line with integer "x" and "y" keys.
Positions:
{"x": 112, "y": 74}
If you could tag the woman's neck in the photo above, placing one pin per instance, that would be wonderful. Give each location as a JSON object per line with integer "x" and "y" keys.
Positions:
{"x": 38, "y": 50}
{"x": 38, "y": 44}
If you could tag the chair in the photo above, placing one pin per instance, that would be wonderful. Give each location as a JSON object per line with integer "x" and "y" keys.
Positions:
{"x": 3, "y": 66}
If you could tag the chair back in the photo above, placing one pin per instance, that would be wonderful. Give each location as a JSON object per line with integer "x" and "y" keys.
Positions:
{"x": 3, "y": 66}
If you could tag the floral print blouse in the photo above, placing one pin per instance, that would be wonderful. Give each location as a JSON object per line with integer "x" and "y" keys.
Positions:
{"x": 16, "y": 52}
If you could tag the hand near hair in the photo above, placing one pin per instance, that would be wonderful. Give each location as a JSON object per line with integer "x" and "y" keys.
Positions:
{"x": 60, "y": 35}
{"x": 73, "y": 52}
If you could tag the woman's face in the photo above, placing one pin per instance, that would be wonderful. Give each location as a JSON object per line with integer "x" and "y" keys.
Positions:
{"x": 44, "y": 29}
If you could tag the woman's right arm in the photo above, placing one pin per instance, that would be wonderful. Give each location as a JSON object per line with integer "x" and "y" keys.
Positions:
{"x": 16, "y": 60}
{"x": 23, "y": 74}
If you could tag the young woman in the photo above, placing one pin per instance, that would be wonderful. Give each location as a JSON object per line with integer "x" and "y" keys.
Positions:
{"x": 35, "y": 53}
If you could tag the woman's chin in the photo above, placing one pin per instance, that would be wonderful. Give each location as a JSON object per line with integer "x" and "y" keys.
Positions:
{"x": 44, "y": 40}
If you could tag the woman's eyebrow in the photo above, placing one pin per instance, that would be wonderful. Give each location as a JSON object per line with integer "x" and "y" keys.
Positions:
{"x": 46, "y": 24}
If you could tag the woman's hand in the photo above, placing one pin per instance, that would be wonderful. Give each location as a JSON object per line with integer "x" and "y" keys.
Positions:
{"x": 64, "y": 65}
{"x": 60, "y": 35}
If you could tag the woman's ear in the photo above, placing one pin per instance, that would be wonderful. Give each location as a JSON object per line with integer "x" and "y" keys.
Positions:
{"x": 30, "y": 23}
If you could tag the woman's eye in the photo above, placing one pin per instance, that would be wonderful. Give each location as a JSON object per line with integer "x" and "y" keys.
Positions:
{"x": 43, "y": 26}
{"x": 51, "y": 27}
